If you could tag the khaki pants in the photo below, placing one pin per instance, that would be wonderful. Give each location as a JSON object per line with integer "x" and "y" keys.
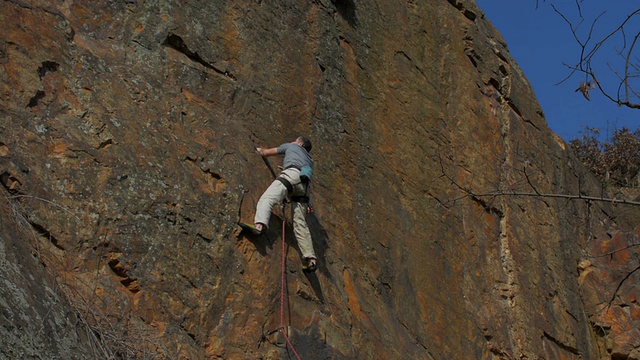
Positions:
{"x": 275, "y": 194}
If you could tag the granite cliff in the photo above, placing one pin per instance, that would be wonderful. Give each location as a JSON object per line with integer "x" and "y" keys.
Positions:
{"x": 127, "y": 131}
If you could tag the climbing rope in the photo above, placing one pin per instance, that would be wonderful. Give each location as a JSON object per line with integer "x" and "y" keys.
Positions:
{"x": 283, "y": 282}
{"x": 283, "y": 285}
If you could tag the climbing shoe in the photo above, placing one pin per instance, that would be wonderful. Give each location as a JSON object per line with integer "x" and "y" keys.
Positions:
{"x": 310, "y": 266}
{"x": 250, "y": 228}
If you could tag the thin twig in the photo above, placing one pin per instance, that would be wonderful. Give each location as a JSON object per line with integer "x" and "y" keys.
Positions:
{"x": 44, "y": 200}
{"x": 620, "y": 284}
{"x": 550, "y": 195}
{"x": 469, "y": 193}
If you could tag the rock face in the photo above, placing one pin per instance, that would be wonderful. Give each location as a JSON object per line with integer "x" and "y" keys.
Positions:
{"x": 36, "y": 322}
{"x": 127, "y": 131}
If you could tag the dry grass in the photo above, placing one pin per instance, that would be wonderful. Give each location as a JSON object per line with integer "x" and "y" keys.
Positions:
{"x": 109, "y": 330}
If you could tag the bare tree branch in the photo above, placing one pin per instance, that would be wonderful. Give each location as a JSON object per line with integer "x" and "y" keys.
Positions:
{"x": 469, "y": 193}
{"x": 623, "y": 93}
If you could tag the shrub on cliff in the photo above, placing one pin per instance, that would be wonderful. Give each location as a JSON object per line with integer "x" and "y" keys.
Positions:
{"x": 615, "y": 160}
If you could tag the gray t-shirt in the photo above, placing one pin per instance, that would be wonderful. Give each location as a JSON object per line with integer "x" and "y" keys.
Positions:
{"x": 295, "y": 155}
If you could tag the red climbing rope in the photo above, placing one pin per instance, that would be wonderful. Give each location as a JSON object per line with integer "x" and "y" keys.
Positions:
{"x": 282, "y": 287}
{"x": 284, "y": 268}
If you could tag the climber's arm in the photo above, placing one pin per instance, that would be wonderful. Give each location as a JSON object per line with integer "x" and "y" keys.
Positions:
{"x": 267, "y": 152}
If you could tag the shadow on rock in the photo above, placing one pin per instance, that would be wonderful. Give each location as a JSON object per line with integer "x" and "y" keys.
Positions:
{"x": 347, "y": 10}
{"x": 320, "y": 243}
{"x": 266, "y": 240}
{"x": 315, "y": 285}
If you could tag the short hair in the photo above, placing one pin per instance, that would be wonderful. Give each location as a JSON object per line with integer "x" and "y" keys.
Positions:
{"x": 306, "y": 143}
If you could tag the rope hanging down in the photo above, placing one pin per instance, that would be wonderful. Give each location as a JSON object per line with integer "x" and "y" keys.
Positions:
{"x": 283, "y": 285}
{"x": 283, "y": 281}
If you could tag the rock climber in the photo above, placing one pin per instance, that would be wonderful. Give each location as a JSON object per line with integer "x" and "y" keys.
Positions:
{"x": 292, "y": 182}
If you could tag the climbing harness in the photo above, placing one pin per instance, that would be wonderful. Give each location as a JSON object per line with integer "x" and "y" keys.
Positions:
{"x": 286, "y": 184}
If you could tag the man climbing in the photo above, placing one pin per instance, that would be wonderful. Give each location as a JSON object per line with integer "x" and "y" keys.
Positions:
{"x": 292, "y": 182}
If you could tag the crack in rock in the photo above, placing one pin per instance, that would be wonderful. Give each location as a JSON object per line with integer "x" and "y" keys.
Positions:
{"x": 175, "y": 42}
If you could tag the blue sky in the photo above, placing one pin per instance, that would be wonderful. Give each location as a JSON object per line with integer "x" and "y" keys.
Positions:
{"x": 541, "y": 41}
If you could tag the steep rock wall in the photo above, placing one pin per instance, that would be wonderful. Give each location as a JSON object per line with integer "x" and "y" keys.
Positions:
{"x": 127, "y": 135}
{"x": 36, "y": 321}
